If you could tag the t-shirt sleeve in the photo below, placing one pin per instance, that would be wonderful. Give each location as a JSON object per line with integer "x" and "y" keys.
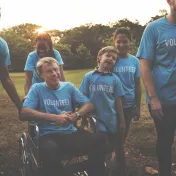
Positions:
{"x": 4, "y": 54}
{"x": 30, "y": 63}
{"x": 118, "y": 89}
{"x": 32, "y": 100}
{"x": 58, "y": 57}
{"x": 137, "y": 71}
{"x": 84, "y": 87}
{"x": 146, "y": 48}
{"x": 78, "y": 96}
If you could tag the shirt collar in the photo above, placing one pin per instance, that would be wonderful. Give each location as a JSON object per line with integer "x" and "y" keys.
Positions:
{"x": 101, "y": 73}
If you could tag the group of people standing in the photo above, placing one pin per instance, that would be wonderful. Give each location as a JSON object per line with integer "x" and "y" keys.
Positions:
{"x": 111, "y": 91}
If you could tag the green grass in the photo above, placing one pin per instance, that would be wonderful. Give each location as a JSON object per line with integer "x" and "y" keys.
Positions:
{"x": 74, "y": 76}
{"x": 140, "y": 142}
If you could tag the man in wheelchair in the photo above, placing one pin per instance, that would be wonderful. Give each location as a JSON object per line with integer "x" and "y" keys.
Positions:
{"x": 52, "y": 105}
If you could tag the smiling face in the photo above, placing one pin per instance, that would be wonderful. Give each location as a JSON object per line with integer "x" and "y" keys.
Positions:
{"x": 50, "y": 72}
{"x": 122, "y": 43}
{"x": 107, "y": 60}
{"x": 42, "y": 48}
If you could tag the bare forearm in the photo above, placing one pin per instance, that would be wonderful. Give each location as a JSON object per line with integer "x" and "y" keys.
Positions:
{"x": 88, "y": 107}
{"x": 120, "y": 109}
{"x": 11, "y": 91}
{"x": 62, "y": 74}
{"x": 28, "y": 76}
{"x": 148, "y": 80}
{"x": 28, "y": 114}
{"x": 26, "y": 88}
{"x": 138, "y": 94}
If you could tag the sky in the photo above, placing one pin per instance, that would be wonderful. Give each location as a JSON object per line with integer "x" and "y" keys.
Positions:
{"x": 66, "y": 14}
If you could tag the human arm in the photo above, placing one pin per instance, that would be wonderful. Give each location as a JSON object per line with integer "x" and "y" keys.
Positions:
{"x": 137, "y": 98}
{"x": 28, "y": 76}
{"x": 9, "y": 86}
{"x": 29, "y": 69}
{"x": 31, "y": 105}
{"x": 146, "y": 73}
{"x": 119, "y": 107}
{"x": 119, "y": 149}
{"x": 86, "y": 108}
{"x": 62, "y": 78}
{"x": 61, "y": 63}
{"x": 81, "y": 99}
{"x": 28, "y": 114}
{"x": 119, "y": 98}
{"x": 147, "y": 55}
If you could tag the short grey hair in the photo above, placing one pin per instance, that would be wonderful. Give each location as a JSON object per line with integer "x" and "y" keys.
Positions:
{"x": 48, "y": 60}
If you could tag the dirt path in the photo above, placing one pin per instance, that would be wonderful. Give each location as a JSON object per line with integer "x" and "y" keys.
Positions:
{"x": 140, "y": 145}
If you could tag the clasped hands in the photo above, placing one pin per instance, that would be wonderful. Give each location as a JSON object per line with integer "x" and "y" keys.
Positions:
{"x": 65, "y": 118}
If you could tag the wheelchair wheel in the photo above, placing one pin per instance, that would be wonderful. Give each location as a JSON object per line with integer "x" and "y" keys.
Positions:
{"x": 25, "y": 168}
{"x": 84, "y": 173}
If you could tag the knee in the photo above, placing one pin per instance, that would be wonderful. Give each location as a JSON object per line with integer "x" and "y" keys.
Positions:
{"x": 48, "y": 149}
{"x": 48, "y": 145}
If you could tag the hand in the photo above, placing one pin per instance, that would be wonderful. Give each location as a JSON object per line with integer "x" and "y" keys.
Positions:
{"x": 63, "y": 119}
{"x": 156, "y": 108}
{"x": 136, "y": 114}
{"x": 73, "y": 116}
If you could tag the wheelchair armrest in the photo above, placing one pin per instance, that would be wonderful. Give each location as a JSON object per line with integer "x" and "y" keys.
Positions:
{"x": 93, "y": 123}
{"x": 89, "y": 121}
{"x": 34, "y": 132}
{"x": 24, "y": 98}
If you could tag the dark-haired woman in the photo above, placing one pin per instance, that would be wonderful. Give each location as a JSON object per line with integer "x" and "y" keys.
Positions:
{"x": 127, "y": 68}
{"x": 44, "y": 48}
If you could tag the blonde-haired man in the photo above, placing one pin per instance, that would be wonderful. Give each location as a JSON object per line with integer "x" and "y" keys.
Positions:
{"x": 55, "y": 100}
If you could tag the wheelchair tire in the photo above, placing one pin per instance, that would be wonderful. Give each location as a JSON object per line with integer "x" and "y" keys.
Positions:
{"x": 80, "y": 174}
{"x": 25, "y": 166}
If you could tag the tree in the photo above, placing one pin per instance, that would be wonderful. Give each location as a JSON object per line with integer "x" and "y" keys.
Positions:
{"x": 162, "y": 13}
{"x": 83, "y": 53}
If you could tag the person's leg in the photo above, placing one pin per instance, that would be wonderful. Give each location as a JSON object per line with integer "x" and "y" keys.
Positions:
{"x": 165, "y": 138}
{"x": 119, "y": 151}
{"x": 128, "y": 115}
{"x": 96, "y": 154}
{"x": 50, "y": 155}
{"x": 87, "y": 143}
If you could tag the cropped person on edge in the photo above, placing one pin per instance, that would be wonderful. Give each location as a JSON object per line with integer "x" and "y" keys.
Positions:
{"x": 157, "y": 53}
{"x": 5, "y": 79}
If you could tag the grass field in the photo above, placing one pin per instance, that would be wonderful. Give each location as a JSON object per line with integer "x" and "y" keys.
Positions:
{"x": 140, "y": 145}
{"x": 74, "y": 76}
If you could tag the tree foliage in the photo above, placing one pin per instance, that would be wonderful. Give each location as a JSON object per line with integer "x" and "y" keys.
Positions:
{"x": 78, "y": 46}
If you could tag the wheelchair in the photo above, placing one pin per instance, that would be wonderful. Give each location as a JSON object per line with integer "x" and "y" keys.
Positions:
{"x": 31, "y": 164}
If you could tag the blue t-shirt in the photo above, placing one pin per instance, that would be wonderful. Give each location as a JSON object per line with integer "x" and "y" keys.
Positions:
{"x": 158, "y": 44}
{"x": 102, "y": 91}
{"x": 46, "y": 100}
{"x": 31, "y": 62}
{"x": 128, "y": 69}
{"x": 4, "y": 53}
